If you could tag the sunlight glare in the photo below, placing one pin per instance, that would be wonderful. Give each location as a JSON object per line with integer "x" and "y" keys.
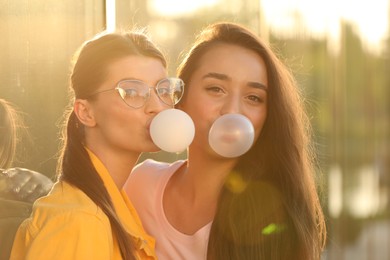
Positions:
{"x": 178, "y": 7}
{"x": 323, "y": 18}
{"x": 316, "y": 18}
{"x": 110, "y": 15}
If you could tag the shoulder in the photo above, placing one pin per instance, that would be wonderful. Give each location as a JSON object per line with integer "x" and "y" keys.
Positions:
{"x": 65, "y": 218}
{"x": 154, "y": 168}
{"x": 152, "y": 164}
{"x": 66, "y": 203}
{"x": 77, "y": 233}
{"x": 146, "y": 174}
{"x": 150, "y": 176}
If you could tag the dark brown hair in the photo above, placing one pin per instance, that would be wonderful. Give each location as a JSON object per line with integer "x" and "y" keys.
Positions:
{"x": 277, "y": 213}
{"x": 89, "y": 72}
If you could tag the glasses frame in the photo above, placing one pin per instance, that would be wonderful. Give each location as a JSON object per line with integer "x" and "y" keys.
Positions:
{"x": 118, "y": 89}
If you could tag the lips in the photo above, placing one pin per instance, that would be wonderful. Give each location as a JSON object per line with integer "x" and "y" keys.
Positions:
{"x": 229, "y": 137}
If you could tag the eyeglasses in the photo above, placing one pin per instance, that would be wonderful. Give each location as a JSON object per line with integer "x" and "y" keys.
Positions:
{"x": 135, "y": 93}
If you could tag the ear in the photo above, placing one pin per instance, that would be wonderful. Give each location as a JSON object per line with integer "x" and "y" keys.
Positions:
{"x": 84, "y": 112}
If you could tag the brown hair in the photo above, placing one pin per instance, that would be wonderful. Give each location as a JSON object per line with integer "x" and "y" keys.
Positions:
{"x": 277, "y": 215}
{"x": 89, "y": 72}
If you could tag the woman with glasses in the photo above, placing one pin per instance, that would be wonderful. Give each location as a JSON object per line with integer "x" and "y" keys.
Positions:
{"x": 119, "y": 83}
{"x": 260, "y": 205}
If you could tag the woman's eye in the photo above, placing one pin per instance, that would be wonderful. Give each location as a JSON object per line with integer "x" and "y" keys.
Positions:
{"x": 255, "y": 99}
{"x": 215, "y": 89}
{"x": 162, "y": 92}
{"x": 131, "y": 92}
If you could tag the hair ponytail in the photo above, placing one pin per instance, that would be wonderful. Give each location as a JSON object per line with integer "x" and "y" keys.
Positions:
{"x": 78, "y": 170}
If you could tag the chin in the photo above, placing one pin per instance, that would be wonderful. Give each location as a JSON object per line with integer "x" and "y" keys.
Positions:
{"x": 152, "y": 148}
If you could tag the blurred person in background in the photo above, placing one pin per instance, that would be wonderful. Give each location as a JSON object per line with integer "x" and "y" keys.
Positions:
{"x": 19, "y": 187}
{"x": 261, "y": 205}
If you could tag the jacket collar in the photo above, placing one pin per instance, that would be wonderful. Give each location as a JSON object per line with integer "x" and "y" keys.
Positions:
{"x": 123, "y": 207}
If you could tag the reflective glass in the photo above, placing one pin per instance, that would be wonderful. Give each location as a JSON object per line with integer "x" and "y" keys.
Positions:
{"x": 135, "y": 93}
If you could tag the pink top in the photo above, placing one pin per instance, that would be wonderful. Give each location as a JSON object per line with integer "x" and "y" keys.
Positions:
{"x": 145, "y": 188}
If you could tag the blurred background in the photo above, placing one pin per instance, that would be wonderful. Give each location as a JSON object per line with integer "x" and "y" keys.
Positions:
{"x": 339, "y": 50}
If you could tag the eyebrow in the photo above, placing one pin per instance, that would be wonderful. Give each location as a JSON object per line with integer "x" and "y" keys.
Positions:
{"x": 258, "y": 85}
{"x": 221, "y": 76}
{"x": 217, "y": 76}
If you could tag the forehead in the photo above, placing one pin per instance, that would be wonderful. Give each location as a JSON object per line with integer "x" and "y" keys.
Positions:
{"x": 136, "y": 67}
{"x": 234, "y": 61}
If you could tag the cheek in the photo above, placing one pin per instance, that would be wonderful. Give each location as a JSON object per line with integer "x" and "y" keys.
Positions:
{"x": 202, "y": 111}
{"x": 258, "y": 122}
{"x": 202, "y": 115}
{"x": 116, "y": 116}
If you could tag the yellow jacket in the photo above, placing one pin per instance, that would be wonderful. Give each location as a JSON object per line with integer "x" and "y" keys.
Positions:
{"x": 67, "y": 224}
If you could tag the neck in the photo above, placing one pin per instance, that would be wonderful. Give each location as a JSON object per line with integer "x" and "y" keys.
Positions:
{"x": 119, "y": 163}
{"x": 194, "y": 191}
{"x": 205, "y": 176}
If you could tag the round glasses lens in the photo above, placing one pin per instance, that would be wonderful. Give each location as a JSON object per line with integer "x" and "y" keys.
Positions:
{"x": 170, "y": 90}
{"x": 134, "y": 93}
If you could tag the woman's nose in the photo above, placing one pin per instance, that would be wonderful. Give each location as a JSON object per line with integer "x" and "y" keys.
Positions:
{"x": 232, "y": 105}
{"x": 154, "y": 104}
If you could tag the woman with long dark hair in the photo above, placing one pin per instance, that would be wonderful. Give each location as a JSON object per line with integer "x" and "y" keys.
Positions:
{"x": 261, "y": 205}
